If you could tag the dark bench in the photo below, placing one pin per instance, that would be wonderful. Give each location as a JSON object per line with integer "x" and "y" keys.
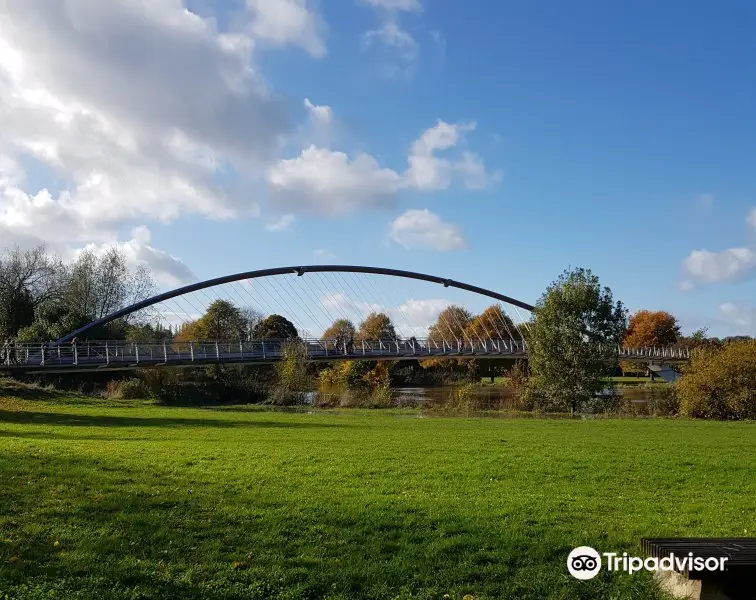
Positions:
{"x": 736, "y": 582}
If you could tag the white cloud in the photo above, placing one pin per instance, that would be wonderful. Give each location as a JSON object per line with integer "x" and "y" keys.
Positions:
{"x": 391, "y": 34}
{"x": 751, "y": 219}
{"x": 329, "y": 183}
{"x": 321, "y": 114}
{"x": 137, "y": 107}
{"x": 424, "y": 229}
{"x": 741, "y": 319}
{"x": 288, "y": 22}
{"x": 168, "y": 270}
{"x": 416, "y": 316}
{"x": 396, "y": 5}
{"x": 428, "y": 171}
{"x": 282, "y": 224}
{"x": 411, "y": 318}
{"x": 714, "y": 267}
{"x": 401, "y": 45}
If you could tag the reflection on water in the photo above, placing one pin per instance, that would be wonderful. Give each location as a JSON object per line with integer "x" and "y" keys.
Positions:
{"x": 484, "y": 398}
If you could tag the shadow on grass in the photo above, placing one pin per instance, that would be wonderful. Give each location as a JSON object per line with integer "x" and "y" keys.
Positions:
{"x": 50, "y": 418}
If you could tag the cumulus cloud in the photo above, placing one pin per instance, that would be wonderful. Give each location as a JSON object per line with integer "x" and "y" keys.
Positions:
{"x": 741, "y": 319}
{"x": 168, "y": 270}
{"x": 428, "y": 171}
{"x": 751, "y": 219}
{"x": 714, "y": 267}
{"x": 282, "y": 224}
{"x": 137, "y": 108}
{"x": 328, "y": 183}
{"x": 402, "y": 47}
{"x": 412, "y": 317}
{"x": 321, "y": 114}
{"x": 424, "y": 229}
{"x": 288, "y": 22}
{"x": 396, "y": 5}
{"x": 416, "y": 316}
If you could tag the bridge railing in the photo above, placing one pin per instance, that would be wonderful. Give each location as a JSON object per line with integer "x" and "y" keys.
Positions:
{"x": 106, "y": 353}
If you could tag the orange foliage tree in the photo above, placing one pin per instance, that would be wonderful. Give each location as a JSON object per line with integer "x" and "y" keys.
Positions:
{"x": 649, "y": 328}
{"x": 652, "y": 328}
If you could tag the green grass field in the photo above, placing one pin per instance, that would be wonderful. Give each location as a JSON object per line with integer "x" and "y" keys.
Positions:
{"x": 137, "y": 501}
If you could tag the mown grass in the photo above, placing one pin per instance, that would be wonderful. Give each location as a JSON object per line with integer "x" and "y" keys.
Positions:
{"x": 108, "y": 501}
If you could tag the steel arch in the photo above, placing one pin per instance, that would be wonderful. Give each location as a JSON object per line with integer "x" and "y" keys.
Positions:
{"x": 301, "y": 270}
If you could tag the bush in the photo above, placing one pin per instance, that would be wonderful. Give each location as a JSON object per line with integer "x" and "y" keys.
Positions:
{"x": 720, "y": 383}
{"x": 127, "y": 389}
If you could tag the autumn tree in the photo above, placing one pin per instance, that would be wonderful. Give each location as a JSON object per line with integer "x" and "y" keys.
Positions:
{"x": 275, "y": 327}
{"x": 720, "y": 382}
{"x": 492, "y": 324}
{"x": 341, "y": 329}
{"x": 376, "y": 326}
{"x": 573, "y": 341}
{"x": 652, "y": 328}
{"x": 451, "y": 325}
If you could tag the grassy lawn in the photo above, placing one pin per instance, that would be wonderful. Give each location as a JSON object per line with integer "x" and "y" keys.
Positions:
{"x": 137, "y": 501}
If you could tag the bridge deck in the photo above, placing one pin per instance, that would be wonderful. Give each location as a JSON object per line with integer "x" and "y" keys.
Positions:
{"x": 129, "y": 355}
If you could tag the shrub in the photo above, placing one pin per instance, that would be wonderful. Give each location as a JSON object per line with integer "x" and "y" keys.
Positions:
{"x": 127, "y": 389}
{"x": 720, "y": 383}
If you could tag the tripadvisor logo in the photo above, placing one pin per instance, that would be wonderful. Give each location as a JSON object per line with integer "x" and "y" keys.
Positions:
{"x": 584, "y": 563}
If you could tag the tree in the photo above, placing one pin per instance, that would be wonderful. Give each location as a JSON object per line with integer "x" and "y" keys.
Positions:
{"x": 28, "y": 279}
{"x": 16, "y": 310}
{"x": 450, "y": 326}
{"x": 251, "y": 318}
{"x": 99, "y": 284}
{"x": 492, "y": 324}
{"x": 275, "y": 327}
{"x": 720, "y": 382}
{"x": 573, "y": 340}
{"x": 376, "y": 326}
{"x": 146, "y": 332}
{"x": 221, "y": 321}
{"x": 652, "y": 328}
{"x": 341, "y": 329}
{"x": 700, "y": 339}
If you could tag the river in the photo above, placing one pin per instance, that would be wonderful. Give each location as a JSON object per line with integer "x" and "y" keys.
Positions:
{"x": 485, "y": 397}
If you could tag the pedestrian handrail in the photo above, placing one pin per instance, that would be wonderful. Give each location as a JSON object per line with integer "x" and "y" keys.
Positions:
{"x": 99, "y": 353}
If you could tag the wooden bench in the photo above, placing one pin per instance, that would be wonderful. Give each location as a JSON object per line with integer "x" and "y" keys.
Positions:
{"x": 736, "y": 582}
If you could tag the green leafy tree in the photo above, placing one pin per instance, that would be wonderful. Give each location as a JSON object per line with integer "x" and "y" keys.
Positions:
{"x": 573, "y": 340}
{"x": 16, "y": 310}
{"x": 376, "y": 326}
{"x": 221, "y": 321}
{"x": 274, "y": 327}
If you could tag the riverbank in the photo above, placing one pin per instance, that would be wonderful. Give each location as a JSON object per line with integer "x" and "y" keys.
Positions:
{"x": 110, "y": 499}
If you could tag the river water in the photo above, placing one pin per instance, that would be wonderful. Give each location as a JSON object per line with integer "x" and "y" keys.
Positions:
{"x": 484, "y": 397}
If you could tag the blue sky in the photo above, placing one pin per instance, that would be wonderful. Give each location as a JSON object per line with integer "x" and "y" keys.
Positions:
{"x": 615, "y": 136}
